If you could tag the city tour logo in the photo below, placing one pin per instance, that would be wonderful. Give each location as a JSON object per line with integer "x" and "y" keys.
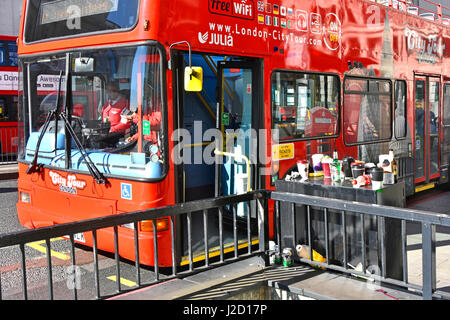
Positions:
{"x": 427, "y": 48}
{"x": 69, "y": 184}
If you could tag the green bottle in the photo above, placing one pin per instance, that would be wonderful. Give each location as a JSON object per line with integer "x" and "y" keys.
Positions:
{"x": 335, "y": 167}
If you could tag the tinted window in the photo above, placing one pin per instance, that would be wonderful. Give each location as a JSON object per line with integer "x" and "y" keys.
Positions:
{"x": 447, "y": 104}
{"x": 400, "y": 109}
{"x": 12, "y": 51}
{"x": 2, "y": 57}
{"x": 8, "y": 53}
{"x": 367, "y": 110}
{"x": 51, "y": 19}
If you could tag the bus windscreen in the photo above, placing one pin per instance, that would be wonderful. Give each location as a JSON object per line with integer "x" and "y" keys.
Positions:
{"x": 48, "y": 19}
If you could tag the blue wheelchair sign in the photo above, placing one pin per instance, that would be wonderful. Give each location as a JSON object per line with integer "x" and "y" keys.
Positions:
{"x": 126, "y": 192}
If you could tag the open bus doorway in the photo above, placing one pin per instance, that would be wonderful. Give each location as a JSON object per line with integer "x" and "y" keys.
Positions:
{"x": 427, "y": 129}
{"x": 219, "y": 146}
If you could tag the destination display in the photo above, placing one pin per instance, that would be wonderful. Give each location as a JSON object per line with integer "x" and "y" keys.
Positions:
{"x": 9, "y": 80}
{"x": 64, "y": 9}
{"x": 50, "y": 19}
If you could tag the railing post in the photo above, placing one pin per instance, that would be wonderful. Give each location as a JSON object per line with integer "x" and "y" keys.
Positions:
{"x": 277, "y": 222}
{"x": 263, "y": 228}
{"x": 23, "y": 264}
{"x": 428, "y": 260}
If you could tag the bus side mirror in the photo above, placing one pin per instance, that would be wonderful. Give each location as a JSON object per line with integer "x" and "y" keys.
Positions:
{"x": 193, "y": 79}
{"x": 83, "y": 64}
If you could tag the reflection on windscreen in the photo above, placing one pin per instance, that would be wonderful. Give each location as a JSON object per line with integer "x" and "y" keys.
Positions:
{"x": 115, "y": 111}
{"x": 304, "y": 105}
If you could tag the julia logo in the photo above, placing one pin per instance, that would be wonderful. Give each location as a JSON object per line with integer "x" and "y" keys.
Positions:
{"x": 203, "y": 37}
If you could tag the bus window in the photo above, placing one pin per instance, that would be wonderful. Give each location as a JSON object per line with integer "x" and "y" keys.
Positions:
{"x": 400, "y": 109}
{"x": 367, "y": 110}
{"x": 12, "y": 52}
{"x": 2, "y": 57}
{"x": 3, "y": 108}
{"x": 8, "y": 108}
{"x": 446, "y": 113}
{"x": 305, "y": 105}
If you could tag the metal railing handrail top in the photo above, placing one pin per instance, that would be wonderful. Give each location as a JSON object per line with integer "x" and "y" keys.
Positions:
{"x": 413, "y": 215}
{"x": 89, "y": 225}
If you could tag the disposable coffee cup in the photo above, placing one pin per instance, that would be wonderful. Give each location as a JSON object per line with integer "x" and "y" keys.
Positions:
{"x": 357, "y": 170}
{"x": 326, "y": 169}
{"x": 377, "y": 185}
{"x": 303, "y": 167}
{"x": 346, "y": 166}
{"x": 376, "y": 174}
{"x": 368, "y": 167}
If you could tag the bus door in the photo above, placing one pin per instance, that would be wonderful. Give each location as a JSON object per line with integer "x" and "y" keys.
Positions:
{"x": 445, "y": 147}
{"x": 220, "y": 117}
{"x": 427, "y": 128}
{"x": 223, "y": 111}
{"x": 237, "y": 119}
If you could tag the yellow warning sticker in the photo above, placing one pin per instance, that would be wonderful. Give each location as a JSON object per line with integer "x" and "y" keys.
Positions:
{"x": 282, "y": 151}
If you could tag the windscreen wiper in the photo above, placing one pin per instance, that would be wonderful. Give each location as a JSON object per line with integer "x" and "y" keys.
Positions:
{"x": 98, "y": 176}
{"x": 34, "y": 166}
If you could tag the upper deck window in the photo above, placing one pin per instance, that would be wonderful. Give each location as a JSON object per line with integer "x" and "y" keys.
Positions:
{"x": 8, "y": 53}
{"x": 47, "y": 19}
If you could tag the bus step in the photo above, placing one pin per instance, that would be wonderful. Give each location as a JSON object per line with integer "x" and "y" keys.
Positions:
{"x": 425, "y": 187}
{"x": 214, "y": 252}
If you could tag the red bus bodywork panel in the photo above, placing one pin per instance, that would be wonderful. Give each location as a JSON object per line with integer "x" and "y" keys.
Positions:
{"x": 50, "y": 206}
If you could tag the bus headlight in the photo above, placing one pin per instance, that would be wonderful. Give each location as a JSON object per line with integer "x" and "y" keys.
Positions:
{"x": 25, "y": 197}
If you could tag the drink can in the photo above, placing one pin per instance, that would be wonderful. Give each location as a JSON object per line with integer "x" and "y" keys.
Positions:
{"x": 287, "y": 257}
{"x": 277, "y": 258}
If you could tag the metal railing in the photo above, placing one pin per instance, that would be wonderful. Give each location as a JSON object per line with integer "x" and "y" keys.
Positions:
{"x": 435, "y": 11}
{"x": 8, "y": 144}
{"x": 256, "y": 200}
{"x": 323, "y": 206}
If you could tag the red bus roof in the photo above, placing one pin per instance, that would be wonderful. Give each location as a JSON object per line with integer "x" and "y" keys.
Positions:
{"x": 3, "y": 37}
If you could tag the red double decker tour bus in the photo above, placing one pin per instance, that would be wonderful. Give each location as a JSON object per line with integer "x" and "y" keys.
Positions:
{"x": 123, "y": 103}
{"x": 8, "y": 99}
